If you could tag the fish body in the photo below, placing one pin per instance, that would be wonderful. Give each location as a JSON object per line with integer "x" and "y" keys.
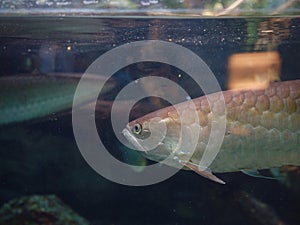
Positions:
{"x": 262, "y": 130}
{"x": 26, "y": 97}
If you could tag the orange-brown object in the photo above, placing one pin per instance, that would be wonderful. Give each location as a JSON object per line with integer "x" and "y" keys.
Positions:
{"x": 253, "y": 70}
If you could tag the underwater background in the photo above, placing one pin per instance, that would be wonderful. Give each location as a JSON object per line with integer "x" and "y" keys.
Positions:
{"x": 40, "y": 157}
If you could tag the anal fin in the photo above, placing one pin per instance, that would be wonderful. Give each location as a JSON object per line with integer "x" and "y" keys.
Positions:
{"x": 205, "y": 173}
{"x": 256, "y": 173}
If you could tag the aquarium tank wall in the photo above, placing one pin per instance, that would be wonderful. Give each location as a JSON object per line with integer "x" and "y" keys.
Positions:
{"x": 149, "y": 112}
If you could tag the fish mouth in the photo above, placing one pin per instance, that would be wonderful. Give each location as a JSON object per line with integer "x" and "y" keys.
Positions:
{"x": 126, "y": 132}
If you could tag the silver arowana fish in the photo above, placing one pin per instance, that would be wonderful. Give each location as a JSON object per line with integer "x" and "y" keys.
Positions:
{"x": 262, "y": 131}
{"x": 26, "y": 97}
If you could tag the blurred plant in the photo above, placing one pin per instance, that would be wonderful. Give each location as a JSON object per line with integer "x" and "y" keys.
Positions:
{"x": 124, "y": 4}
{"x": 251, "y": 7}
{"x": 39, "y": 209}
{"x": 208, "y": 7}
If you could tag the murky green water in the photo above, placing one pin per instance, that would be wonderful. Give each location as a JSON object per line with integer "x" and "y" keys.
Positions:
{"x": 40, "y": 156}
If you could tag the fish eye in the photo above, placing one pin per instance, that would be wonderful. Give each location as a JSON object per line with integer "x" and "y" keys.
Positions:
{"x": 137, "y": 128}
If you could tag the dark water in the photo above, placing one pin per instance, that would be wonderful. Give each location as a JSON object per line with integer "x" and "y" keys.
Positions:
{"x": 41, "y": 156}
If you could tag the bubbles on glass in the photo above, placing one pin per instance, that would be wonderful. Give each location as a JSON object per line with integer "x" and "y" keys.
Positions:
{"x": 148, "y": 2}
{"x": 84, "y": 126}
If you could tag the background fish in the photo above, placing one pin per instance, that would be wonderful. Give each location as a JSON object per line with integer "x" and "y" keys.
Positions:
{"x": 262, "y": 130}
{"x": 26, "y": 97}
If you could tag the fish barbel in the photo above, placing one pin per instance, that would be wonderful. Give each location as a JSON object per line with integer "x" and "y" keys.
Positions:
{"x": 25, "y": 97}
{"x": 262, "y": 130}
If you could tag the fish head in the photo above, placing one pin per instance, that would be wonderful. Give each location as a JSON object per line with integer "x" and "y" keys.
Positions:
{"x": 161, "y": 136}
{"x": 154, "y": 135}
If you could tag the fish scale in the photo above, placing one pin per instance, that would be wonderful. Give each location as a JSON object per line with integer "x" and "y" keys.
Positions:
{"x": 262, "y": 129}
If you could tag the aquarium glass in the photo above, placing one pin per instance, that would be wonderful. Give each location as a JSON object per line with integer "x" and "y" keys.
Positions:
{"x": 74, "y": 73}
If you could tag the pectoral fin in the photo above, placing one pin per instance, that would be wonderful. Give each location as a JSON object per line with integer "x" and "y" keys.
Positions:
{"x": 205, "y": 173}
